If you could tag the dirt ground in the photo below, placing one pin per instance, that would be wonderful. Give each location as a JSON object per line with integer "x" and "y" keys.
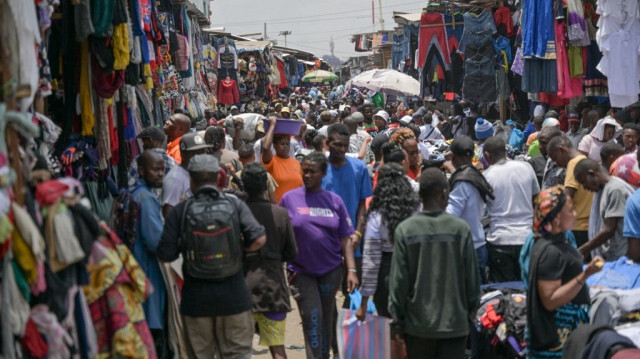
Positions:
{"x": 294, "y": 341}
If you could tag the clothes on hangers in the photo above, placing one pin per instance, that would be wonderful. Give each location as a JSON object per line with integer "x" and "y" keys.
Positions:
{"x": 228, "y": 92}
{"x": 537, "y": 28}
{"x": 502, "y": 16}
{"x": 433, "y": 36}
{"x": 479, "y": 83}
{"x": 618, "y": 37}
{"x": 568, "y": 87}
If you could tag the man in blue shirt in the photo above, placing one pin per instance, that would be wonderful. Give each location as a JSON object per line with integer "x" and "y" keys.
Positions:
{"x": 348, "y": 178}
{"x": 631, "y": 229}
{"x": 150, "y": 224}
{"x": 469, "y": 192}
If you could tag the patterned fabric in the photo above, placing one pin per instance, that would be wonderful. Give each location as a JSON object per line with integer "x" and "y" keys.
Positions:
{"x": 553, "y": 175}
{"x": 115, "y": 293}
{"x": 626, "y": 168}
{"x": 547, "y": 205}
{"x": 567, "y": 318}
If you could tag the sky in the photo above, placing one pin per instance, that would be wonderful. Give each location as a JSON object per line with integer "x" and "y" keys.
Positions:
{"x": 312, "y": 23}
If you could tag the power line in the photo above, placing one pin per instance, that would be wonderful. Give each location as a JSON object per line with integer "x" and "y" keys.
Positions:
{"x": 316, "y": 16}
{"x": 318, "y": 48}
{"x": 335, "y": 38}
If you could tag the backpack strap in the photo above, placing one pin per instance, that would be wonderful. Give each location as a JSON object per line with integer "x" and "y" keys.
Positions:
{"x": 182, "y": 219}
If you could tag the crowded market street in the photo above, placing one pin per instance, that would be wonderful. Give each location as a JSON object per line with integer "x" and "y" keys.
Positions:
{"x": 390, "y": 179}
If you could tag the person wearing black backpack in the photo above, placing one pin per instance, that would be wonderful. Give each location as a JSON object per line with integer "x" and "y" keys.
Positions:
{"x": 210, "y": 230}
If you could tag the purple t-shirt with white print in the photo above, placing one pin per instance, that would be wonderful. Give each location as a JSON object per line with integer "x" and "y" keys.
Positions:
{"x": 320, "y": 220}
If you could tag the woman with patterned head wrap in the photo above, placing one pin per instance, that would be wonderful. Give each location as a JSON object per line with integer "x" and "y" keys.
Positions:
{"x": 557, "y": 298}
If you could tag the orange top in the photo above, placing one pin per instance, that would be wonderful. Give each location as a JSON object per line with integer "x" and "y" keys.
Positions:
{"x": 173, "y": 150}
{"x": 286, "y": 172}
{"x": 532, "y": 137}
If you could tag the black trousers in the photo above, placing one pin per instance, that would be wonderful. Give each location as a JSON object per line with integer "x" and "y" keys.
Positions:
{"x": 422, "y": 348}
{"x": 504, "y": 263}
{"x": 582, "y": 237}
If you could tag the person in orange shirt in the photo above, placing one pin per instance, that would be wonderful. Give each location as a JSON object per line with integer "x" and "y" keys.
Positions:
{"x": 175, "y": 127}
{"x": 284, "y": 169}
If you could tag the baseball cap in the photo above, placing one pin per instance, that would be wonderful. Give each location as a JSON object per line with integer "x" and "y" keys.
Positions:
{"x": 192, "y": 142}
{"x": 378, "y": 141}
{"x": 382, "y": 114}
{"x": 573, "y": 117}
{"x": 358, "y": 116}
{"x": 406, "y": 120}
{"x": 203, "y": 163}
{"x": 153, "y": 133}
{"x": 462, "y": 146}
{"x": 234, "y": 107}
{"x": 285, "y": 109}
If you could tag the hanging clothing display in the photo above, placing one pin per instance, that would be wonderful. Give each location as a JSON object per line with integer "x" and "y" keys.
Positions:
{"x": 568, "y": 87}
{"x": 433, "y": 36}
{"x": 479, "y": 83}
{"x": 503, "y": 21}
{"x": 577, "y": 25}
{"x": 537, "y": 28}
{"x": 618, "y": 37}
{"x": 228, "y": 92}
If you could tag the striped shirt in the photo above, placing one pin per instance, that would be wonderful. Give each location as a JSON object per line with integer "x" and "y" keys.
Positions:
{"x": 376, "y": 241}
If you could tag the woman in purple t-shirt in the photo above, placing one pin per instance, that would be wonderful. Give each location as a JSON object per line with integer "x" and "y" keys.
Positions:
{"x": 322, "y": 229}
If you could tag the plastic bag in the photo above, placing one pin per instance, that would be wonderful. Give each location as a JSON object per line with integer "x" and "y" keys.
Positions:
{"x": 356, "y": 298}
{"x": 363, "y": 340}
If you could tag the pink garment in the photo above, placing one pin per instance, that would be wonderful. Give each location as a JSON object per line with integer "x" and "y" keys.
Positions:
{"x": 568, "y": 87}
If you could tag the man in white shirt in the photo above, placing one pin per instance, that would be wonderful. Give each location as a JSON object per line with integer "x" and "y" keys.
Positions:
{"x": 429, "y": 131}
{"x": 511, "y": 212}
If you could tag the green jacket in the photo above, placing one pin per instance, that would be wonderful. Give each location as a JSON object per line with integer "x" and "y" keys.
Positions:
{"x": 434, "y": 284}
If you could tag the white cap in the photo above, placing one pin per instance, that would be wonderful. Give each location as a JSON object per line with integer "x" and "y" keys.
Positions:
{"x": 538, "y": 111}
{"x": 382, "y": 114}
{"x": 406, "y": 119}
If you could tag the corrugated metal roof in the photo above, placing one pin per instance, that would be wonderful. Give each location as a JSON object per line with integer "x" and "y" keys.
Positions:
{"x": 405, "y": 18}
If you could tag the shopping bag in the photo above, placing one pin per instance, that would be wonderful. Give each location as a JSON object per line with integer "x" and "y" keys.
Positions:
{"x": 370, "y": 339}
{"x": 355, "y": 298}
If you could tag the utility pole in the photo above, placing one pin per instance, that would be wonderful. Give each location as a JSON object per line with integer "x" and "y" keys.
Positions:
{"x": 380, "y": 14}
{"x": 264, "y": 36}
{"x": 285, "y": 34}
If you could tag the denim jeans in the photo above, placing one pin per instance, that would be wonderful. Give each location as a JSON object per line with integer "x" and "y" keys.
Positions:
{"x": 482, "y": 256}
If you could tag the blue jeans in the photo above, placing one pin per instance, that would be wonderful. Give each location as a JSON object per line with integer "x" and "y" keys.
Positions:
{"x": 482, "y": 255}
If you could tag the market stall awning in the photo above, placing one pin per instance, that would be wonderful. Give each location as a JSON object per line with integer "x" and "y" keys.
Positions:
{"x": 247, "y": 46}
{"x": 402, "y": 18}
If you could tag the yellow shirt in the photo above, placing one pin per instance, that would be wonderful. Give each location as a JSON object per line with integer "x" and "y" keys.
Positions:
{"x": 582, "y": 198}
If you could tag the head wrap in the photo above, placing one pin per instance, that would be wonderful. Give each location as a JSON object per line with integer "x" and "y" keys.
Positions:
{"x": 547, "y": 205}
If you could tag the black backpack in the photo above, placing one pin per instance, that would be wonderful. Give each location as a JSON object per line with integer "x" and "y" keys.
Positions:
{"x": 210, "y": 235}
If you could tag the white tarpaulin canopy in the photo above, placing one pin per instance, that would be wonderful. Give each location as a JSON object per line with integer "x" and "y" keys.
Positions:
{"x": 387, "y": 81}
